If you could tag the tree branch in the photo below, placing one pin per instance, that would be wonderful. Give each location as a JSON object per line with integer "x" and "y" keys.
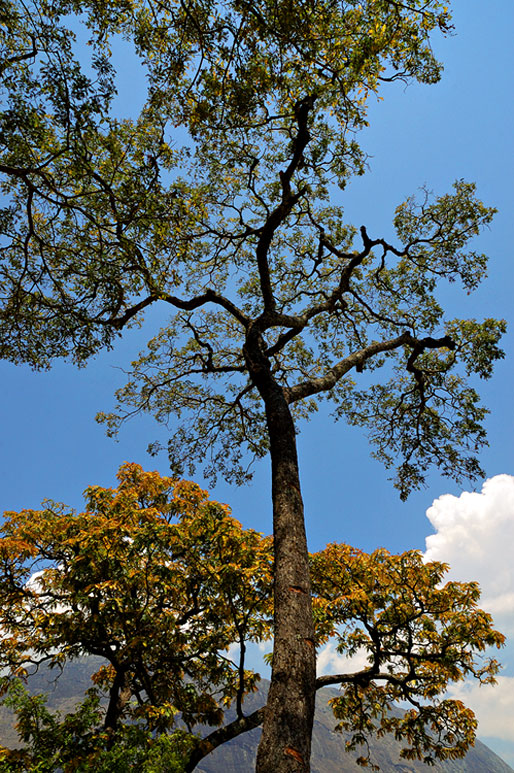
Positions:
{"x": 357, "y": 360}
{"x": 287, "y": 202}
{"x": 360, "y": 678}
{"x": 333, "y": 375}
{"x": 222, "y": 735}
{"x": 21, "y": 57}
{"x": 244, "y": 724}
{"x": 209, "y": 296}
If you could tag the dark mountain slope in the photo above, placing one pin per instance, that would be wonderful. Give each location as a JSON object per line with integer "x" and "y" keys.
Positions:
{"x": 238, "y": 756}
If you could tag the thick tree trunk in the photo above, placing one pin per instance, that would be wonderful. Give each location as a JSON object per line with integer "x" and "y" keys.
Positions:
{"x": 286, "y": 738}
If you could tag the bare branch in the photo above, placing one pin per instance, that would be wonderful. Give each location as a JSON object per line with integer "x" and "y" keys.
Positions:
{"x": 358, "y": 359}
{"x": 222, "y": 735}
{"x": 288, "y": 201}
{"x": 210, "y": 296}
{"x": 334, "y": 374}
{"x": 360, "y": 678}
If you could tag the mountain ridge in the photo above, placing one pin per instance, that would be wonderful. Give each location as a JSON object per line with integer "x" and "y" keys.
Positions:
{"x": 238, "y": 756}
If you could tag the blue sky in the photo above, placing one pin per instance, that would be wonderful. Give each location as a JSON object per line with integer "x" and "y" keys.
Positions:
{"x": 50, "y": 445}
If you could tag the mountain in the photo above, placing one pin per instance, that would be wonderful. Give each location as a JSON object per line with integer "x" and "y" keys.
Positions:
{"x": 238, "y": 756}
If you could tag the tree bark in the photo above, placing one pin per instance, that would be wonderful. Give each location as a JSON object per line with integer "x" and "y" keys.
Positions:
{"x": 119, "y": 696}
{"x": 285, "y": 745}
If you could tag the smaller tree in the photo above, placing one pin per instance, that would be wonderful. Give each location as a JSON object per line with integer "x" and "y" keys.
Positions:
{"x": 168, "y": 589}
{"x": 419, "y": 636}
{"x": 156, "y": 580}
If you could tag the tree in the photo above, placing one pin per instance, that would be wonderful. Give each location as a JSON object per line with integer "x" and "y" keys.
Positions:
{"x": 218, "y": 202}
{"x": 167, "y": 589}
{"x": 152, "y": 578}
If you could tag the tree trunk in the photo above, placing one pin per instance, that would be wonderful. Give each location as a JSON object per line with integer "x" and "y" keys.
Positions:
{"x": 119, "y": 696}
{"x": 286, "y": 738}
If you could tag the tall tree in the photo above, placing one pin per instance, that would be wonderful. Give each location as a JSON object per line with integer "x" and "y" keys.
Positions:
{"x": 167, "y": 589}
{"x": 218, "y": 201}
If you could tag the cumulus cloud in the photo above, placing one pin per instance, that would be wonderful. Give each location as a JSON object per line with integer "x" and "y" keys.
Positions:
{"x": 475, "y": 535}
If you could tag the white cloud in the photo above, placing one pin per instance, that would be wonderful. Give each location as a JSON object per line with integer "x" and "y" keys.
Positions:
{"x": 475, "y": 536}
{"x": 493, "y": 705}
{"x": 233, "y": 652}
{"x": 329, "y": 661}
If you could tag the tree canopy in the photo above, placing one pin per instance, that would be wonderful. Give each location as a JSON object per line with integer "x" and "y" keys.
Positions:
{"x": 219, "y": 199}
{"x": 167, "y": 588}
